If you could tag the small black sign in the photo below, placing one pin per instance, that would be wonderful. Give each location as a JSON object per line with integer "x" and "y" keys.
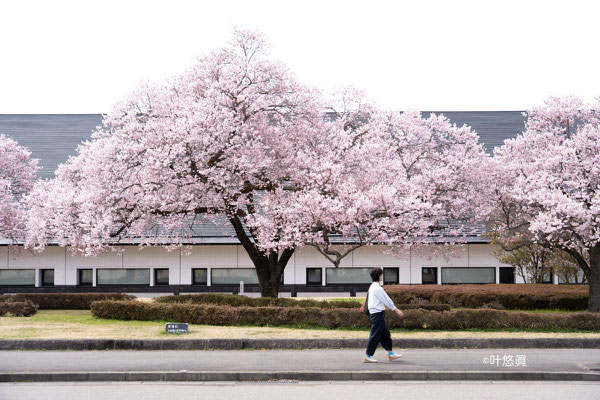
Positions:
{"x": 177, "y": 328}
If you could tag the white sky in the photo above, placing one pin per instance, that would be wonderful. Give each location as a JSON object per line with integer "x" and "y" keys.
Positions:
{"x": 82, "y": 56}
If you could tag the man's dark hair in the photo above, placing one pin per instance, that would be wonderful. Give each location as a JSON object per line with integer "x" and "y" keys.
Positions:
{"x": 376, "y": 273}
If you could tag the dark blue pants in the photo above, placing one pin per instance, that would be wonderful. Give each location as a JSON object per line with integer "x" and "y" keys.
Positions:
{"x": 379, "y": 333}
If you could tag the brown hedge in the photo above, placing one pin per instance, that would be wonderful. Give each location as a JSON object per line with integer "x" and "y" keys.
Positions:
{"x": 514, "y": 297}
{"x": 235, "y": 300}
{"x": 332, "y": 318}
{"x": 18, "y": 308}
{"x": 65, "y": 301}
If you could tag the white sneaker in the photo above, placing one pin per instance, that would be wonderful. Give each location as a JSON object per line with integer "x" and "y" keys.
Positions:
{"x": 369, "y": 359}
{"x": 395, "y": 356}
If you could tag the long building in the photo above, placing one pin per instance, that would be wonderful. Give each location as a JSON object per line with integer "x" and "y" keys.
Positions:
{"x": 215, "y": 261}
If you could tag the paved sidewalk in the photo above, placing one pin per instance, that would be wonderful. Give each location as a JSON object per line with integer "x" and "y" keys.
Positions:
{"x": 541, "y": 364}
{"x": 294, "y": 344}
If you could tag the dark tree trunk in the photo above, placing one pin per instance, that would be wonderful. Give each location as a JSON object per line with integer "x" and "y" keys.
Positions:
{"x": 591, "y": 271}
{"x": 594, "y": 279}
{"x": 268, "y": 287}
{"x": 269, "y": 267}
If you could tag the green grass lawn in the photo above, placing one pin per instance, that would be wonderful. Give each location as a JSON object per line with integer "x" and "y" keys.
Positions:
{"x": 79, "y": 324}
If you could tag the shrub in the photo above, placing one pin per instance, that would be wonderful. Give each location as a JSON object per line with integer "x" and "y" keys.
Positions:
{"x": 65, "y": 301}
{"x": 493, "y": 304}
{"x": 425, "y": 306}
{"x": 516, "y": 297}
{"x": 211, "y": 314}
{"x": 235, "y": 300}
{"x": 18, "y": 308}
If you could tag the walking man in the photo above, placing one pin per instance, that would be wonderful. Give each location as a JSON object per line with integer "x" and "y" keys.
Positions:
{"x": 377, "y": 301}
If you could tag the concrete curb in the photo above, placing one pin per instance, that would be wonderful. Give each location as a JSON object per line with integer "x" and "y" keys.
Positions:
{"x": 271, "y": 344}
{"x": 296, "y": 376}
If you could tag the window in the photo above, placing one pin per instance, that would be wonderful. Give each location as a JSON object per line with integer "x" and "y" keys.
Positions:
{"x": 127, "y": 276}
{"x": 391, "y": 276}
{"x": 429, "y": 275}
{"x": 199, "y": 276}
{"x": 233, "y": 276}
{"x": 507, "y": 274}
{"x": 345, "y": 275}
{"x": 468, "y": 275}
{"x": 84, "y": 277}
{"x": 161, "y": 276}
{"x": 47, "y": 277}
{"x": 314, "y": 276}
{"x": 17, "y": 277}
{"x": 547, "y": 277}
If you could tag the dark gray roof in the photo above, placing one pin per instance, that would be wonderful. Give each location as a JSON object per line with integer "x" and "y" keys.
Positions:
{"x": 493, "y": 127}
{"x": 52, "y": 138}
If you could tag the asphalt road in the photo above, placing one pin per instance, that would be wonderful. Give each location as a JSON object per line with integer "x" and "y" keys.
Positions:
{"x": 546, "y": 360}
{"x": 295, "y": 391}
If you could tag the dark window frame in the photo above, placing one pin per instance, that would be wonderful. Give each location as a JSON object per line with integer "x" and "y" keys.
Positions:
{"x": 21, "y": 285}
{"x": 550, "y": 277}
{"x": 435, "y": 274}
{"x": 320, "y": 276}
{"x": 42, "y": 273}
{"x": 469, "y": 283}
{"x": 397, "y": 269}
{"x": 235, "y": 284}
{"x": 346, "y": 284}
{"x": 194, "y": 277}
{"x": 502, "y": 275}
{"x": 156, "y": 270}
{"x": 122, "y": 284}
{"x": 80, "y": 271}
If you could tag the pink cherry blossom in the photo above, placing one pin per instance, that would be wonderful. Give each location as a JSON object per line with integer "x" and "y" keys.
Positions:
{"x": 545, "y": 185}
{"x": 17, "y": 174}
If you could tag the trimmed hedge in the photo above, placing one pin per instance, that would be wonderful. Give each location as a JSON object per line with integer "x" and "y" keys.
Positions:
{"x": 514, "y": 297}
{"x": 236, "y": 300}
{"x": 332, "y": 318}
{"x": 64, "y": 301}
{"x": 18, "y": 308}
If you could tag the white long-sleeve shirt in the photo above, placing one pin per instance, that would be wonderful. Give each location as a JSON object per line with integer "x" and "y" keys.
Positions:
{"x": 379, "y": 299}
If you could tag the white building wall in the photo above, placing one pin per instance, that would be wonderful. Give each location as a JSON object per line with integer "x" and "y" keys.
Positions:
{"x": 437, "y": 257}
{"x": 215, "y": 256}
{"x": 53, "y": 257}
{"x": 482, "y": 255}
{"x": 108, "y": 259}
{"x": 384, "y": 256}
{"x": 519, "y": 279}
{"x": 181, "y": 262}
{"x": 289, "y": 274}
{"x": 152, "y": 257}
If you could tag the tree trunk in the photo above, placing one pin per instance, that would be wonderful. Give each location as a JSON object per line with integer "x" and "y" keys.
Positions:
{"x": 269, "y": 271}
{"x": 269, "y": 288}
{"x": 269, "y": 267}
{"x": 594, "y": 279}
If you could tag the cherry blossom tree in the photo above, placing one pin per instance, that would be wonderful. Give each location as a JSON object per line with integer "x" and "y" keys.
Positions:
{"x": 17, "y": 174}
{"x": 205, "y": 146}
{"x": 380, "y": 177}
{"x": 237, "y": 140}
{"x": 545, "y": 186}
